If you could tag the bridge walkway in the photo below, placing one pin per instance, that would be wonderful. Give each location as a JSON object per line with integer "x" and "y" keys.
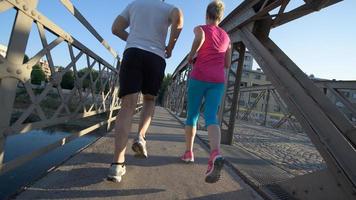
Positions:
{"x": 161, "y": 176}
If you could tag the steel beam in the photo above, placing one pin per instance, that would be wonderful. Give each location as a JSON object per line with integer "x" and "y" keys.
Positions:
{"x": 14, "y": 70}
{"x": 15, "y": 55}
{"x": 255, "y": 102}
{"x": 266, "y": 107}
{"x": 4, "y": 6}
{"x": 331, "y": 142}
{"x": 343, "y": 100}
{"x": 76, "y": 13}
{"x": 301, "y": 11}
{"x": 333, "y": 135}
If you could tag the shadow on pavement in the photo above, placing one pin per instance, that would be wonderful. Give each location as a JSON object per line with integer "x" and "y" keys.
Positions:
{"x": 69, "y": 194}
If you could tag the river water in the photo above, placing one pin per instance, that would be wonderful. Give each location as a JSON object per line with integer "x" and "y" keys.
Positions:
{"x": 15, "y": 146}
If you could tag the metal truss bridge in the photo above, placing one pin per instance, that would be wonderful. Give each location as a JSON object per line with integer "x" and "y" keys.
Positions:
{"x": 304, "y": 106}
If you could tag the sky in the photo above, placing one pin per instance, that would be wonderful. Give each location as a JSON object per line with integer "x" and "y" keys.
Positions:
{"x": 323, "y": 43}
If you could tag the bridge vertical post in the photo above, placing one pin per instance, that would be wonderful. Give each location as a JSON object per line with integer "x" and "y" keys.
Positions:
{"x": 178, "y": 91}
{"x": 15, "y": 55}
{"x": 266, "y": 107}
{"x": 228, "y": 134}
{"x": 113, "y": 103}
{"x": 115, "y": 93}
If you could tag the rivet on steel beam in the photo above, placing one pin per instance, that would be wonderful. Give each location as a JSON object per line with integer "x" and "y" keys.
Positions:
{"x": 293, "y": 192}
{"x": 39, "y": 17}
{"x": 339, "y": 184}
{"x": 28, "y": 67}
{"x": 25, "y": 7}
{"x": 306, "y": 191}
{"x": 19, "y": 71}
{"x": 33, "y": 13}
{"x": 321, "y": 188}
{"x": 17, "y": 1}
{"x": 9, "y": 70}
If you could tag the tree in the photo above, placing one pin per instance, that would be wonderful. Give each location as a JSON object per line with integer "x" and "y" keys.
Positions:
{"x": 86, "y": 81}
{"x": 25, "y": 59}
{"x": 68, "y": 80}
{"x": 37, "y": 75}
{"x": 164, "y": 88}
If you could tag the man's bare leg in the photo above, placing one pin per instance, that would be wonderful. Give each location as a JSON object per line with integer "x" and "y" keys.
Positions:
{"x": 123, "y": 126}
{"x": 146, "y": 115}
{"x": 139, "y": 145}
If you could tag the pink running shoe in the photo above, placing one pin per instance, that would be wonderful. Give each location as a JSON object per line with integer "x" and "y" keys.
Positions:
{"x": 215, "y": 165}
{"x": 188, "y": 157}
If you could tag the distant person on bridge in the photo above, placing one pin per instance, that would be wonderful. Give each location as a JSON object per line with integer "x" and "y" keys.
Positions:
{"x": 211, "y": 55}
{"x": 142, "y": 69}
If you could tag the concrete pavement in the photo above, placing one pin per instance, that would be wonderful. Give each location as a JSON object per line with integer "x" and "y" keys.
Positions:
{"x": 161, "y": 176}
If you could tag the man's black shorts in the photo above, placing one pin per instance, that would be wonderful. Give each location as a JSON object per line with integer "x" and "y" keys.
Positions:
{"x": 141, "y": 71}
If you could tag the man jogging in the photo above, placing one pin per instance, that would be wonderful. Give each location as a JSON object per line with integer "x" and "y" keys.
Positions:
{"x": 142, "y": 69}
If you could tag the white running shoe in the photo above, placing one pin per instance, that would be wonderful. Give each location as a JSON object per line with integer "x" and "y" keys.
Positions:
{"x": 139, "y": 147}
{"x": 116, "y": 172}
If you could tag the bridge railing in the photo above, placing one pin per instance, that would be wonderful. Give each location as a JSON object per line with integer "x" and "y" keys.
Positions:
{"x": 92, "y": 91}
{"x": 263, "y": 105}
{"x": 330, "y": 129}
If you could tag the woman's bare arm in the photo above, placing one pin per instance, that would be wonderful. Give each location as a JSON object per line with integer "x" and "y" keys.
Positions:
{"x": 228, "y": 55}
{"x": 197, "y": 43}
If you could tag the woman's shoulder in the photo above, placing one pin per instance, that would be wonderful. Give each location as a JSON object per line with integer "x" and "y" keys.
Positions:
{"x": 221, "y": 30}
{"x": 200, "y": 26}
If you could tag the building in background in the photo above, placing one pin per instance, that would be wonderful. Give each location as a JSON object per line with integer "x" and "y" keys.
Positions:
{"x": 43, "y": 63}
{"x": 45, "y": 68}
{"x": 3, "y": 50}
{"x": 249, "y": 78}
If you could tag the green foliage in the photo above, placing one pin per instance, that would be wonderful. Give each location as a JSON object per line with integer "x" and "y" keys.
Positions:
{"x": 37, "y": 75}
{"x": 68, "y": 80}
{"x": 87, "y": 80}
{"x": 164, "y": 87}
{"x": 25, "y": 59}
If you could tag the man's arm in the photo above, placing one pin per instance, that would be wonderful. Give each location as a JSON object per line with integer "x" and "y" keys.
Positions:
{"x": 197, "y": 43}
{"x": 119, "y": 28}
{"x": 177, "y": 25}
{"x": 228, "y": 55}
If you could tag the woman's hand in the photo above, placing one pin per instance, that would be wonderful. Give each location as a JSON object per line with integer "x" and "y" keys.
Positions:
{"x": 190, "y": 58}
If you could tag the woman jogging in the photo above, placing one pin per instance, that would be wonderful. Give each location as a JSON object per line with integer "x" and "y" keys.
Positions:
{"x": 211, "y": 55}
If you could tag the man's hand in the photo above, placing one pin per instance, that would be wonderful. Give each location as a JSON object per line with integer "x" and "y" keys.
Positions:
{"x": 176, "y": 18}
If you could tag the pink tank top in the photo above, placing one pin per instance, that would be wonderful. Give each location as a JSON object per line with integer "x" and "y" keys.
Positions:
{"x": 210, "y": 62}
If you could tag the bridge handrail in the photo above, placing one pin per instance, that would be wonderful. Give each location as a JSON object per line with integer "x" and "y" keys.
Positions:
{"x": 100, "y": 96}
{"x": 77, "y": 14}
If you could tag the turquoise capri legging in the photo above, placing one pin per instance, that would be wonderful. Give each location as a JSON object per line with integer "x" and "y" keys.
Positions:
{"x": 212, "y": 94}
